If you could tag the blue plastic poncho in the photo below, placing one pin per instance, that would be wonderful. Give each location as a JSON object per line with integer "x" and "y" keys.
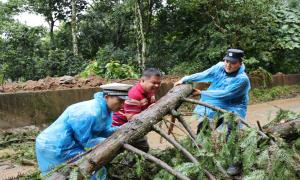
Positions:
{"x": 81, "y": 125}
{"x": 227, "y": 91}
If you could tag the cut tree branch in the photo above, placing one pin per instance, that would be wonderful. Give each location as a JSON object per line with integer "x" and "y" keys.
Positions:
{"x": 182, "y": 121}
{"x": 185, "y": 152}
{"x": 215, "y": 108}
{"x": 156, "y": 161}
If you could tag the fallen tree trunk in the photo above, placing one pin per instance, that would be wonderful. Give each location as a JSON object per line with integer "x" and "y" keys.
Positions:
{"x": 135, "y": 129}
{"x": 288, "y": 130}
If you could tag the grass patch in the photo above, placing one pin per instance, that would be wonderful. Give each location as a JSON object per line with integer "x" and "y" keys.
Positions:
{"x": 258, "y": 95}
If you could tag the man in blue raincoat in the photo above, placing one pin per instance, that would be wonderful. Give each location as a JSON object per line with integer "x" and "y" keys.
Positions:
{"x": 228, "y": 89}
{"x": 81, "y": 126}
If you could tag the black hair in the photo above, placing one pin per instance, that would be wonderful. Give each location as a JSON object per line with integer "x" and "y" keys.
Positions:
{"x": 152, "y": 72}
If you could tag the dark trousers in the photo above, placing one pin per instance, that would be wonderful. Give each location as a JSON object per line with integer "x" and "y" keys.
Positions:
{"x": 203, "y": 125}
{"x": 142, "y": 144}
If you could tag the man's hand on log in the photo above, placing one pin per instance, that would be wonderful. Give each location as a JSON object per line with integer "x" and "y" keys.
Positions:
{"x": 178, "y": 83}
{"x": 196, "y": 92}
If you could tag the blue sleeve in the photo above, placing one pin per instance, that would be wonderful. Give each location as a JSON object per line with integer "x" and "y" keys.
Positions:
{"x": 93, "y": 142}
{"x": 235, "y": 89}
{"x": 205, "y": 76}
{"x": 109, "y": 131}
{"x": 82, "y": 127}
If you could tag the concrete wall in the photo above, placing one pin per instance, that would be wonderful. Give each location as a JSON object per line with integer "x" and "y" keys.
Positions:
{"x": 278, "y": 80}
{"x": 38, "y": 107}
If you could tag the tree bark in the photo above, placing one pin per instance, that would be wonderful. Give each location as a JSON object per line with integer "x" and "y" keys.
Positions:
{"x": 74, "y": 28}
{"x": 51, "y": 33}
{"x": 288, "y": 130}
{"x": 141, "y": 29}
{"x": 135, "y": 129}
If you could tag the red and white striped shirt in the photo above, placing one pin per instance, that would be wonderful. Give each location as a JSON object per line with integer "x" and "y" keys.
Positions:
{"x": 138, "y": 101}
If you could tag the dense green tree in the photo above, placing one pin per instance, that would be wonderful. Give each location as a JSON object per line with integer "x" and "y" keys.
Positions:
{"x": 177, "y": 36}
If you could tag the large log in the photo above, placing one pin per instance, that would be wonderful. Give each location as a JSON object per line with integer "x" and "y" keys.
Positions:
{"x": 288, "y": 130}
{"x": 138, "y": 127}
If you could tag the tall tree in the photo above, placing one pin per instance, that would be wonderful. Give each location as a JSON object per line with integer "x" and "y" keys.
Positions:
{"x": 52, "y": 10}
{"x": 143, "y": 17}
{"x": 74, "y": 27}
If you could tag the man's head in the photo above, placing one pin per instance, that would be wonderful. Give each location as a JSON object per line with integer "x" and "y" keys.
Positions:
{"x": 151, "y": 79}
{"x": 114, "y": 103}
{"x": 233, "y": 60}
{"x": 115, "y": 94}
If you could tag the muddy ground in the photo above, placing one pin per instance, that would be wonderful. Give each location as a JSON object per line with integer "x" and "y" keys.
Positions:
{"x": 67, "y": 82}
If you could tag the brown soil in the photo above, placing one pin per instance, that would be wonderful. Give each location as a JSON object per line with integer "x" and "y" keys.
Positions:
{"x": 67, "y": 82}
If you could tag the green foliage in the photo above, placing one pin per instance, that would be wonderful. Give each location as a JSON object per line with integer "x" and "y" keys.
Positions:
{"x": 116, "y": 70}
{"x": 242, "y": 147}
{"x": 294, "y": 4}
{"x": 94, "y": 68}
{"x": 182, "y": 37}
{"x": 74, "y": 174}
{"x": 109, "y": 52}
{"x": 286, "y": 115}
{"x": 249, "y": 150}
{"x": 263, "y": 75}
{"x": 62, "y": 62}
{"x": 112, "y": 70}
{"x": 36, "y": 175}
{"x": 139, "y": 168}
{"x": 21, "y": 151}
{"x": 3, "y": 70}
{"x": 186, "y": 68}
{"x": 283, "y": 116}
{"x": 289, "y": 24}
{"x": 256, "y": 175}
{"x": 269, "y": 94}
{"x": 297, "y": 144}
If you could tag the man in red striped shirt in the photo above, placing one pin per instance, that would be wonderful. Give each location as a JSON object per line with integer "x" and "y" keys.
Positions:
{"x": 141, "y": 96}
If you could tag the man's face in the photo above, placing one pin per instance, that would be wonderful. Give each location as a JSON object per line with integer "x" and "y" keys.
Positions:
{"x": 114, "y": 103}
{"x": 231, "y": 67}
{"x": 151, "y": 84}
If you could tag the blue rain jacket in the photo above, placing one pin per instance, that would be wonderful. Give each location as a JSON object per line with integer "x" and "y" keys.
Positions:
{"x": 227, "y": 91}
{"x": 81, "y": 125}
